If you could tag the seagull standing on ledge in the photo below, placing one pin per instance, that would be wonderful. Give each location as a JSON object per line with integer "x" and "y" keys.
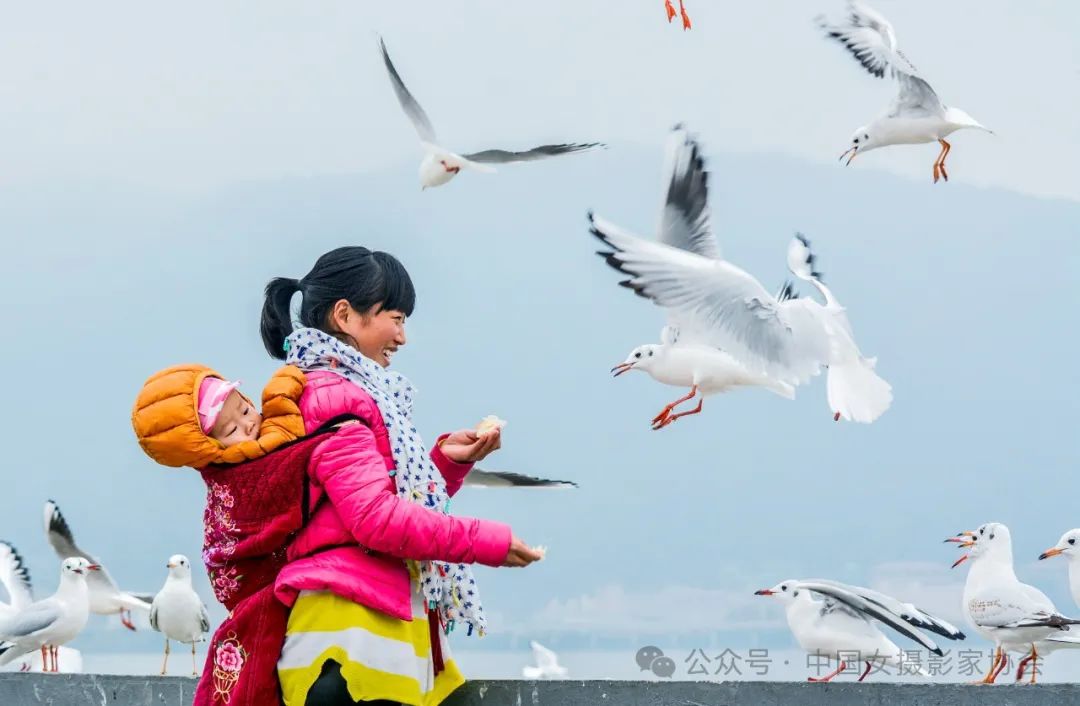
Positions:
{"x": 1015, "y": 616}
{"x": 50, "y": 622}
{"x": 177, "y": 611}
{"x": 916, "y": 115}
{"x": 441, "y": 165}
{"x": 842, "y": 623}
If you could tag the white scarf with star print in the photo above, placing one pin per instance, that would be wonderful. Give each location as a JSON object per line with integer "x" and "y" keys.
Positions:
{"x": 449, "y": 588}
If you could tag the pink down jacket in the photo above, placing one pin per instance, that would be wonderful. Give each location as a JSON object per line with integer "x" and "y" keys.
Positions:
{"x": 350, "y": 471}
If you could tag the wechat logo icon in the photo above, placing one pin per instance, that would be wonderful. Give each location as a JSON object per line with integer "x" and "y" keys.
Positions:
{"x": 651, "y": 658}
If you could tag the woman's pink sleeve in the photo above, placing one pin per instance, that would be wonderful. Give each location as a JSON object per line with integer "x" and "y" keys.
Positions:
{"x": 353, "y": 473}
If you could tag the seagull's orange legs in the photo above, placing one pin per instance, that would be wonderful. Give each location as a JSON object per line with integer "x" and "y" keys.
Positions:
{"x": 939, "y": 163}
{"x": 999, "y": 657}
{"x": 662, "y": 419}
{"x": 682, "y": 12}
{"x": 828, "y": 677}
{"x": 1033, "y": 658}
{"x": 685, "y": 17}
{"x": 670, "y": 10}
{"x": 669, "y": 419}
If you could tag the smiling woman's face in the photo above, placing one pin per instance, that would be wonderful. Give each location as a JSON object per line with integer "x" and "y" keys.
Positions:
{"x": 376, "y": 333}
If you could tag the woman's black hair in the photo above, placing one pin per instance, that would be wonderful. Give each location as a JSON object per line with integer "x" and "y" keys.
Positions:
{"x": 354, "y": 273}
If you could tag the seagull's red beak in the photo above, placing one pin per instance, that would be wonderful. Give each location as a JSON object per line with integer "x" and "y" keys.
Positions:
{"x": 94, "y": 567}
{"x": 621, "y": 368}
{"x": 964, "y": 539}
{"x": 764, "y": 592}
{"x": 852, "y": 151}
{"x": 1054, "y": 551}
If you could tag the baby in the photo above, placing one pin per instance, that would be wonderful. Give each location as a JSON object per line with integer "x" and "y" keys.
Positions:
{"x": 189, "y": 415}
{"x": 225, "y": 414}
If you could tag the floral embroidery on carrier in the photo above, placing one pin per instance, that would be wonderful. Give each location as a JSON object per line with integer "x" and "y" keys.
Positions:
{"x": 449, "y": 589}
{"x": 219, "y": 541}
{"x": 229, "y": 658}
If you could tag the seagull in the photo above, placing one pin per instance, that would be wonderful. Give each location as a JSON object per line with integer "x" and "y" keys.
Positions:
{"x": 685, "y": 358}
{"x": 916, "y": 115}
{"x": 481, "y": 478}
{"x": 15, "y": 578}
{"x": 51, "y": 622}
{"x": 66, "y": 659}
{"x": 547, "y": 664}
{"x": 177, "y": 611}
{"x": 1015, "y": 616}
{"x": 106, "y": 598}
{"x": 682, "y": 11}
{"x": 841, "y": 623}
{"x": 1067, "y": 547}
{"x": 441, "y": 165}
{"x": 712, "y": 302}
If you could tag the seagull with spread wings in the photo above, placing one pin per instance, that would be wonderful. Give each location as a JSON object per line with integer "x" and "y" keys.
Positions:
{"x": 840, "y": 621}
{"x": 106, "y": 598}
{"x": 440, "y": 165}
{"x": 916, "y": 115}
{"x": 712, "y": 302}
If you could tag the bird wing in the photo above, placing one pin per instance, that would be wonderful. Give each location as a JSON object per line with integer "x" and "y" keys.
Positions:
{"x": 685, "y": 222}
{"x": 132, "y": 602}
{"x": 915, "y": 99}
{"x": 1009, "y": 606}
{"x": 541, "y": 152}
{"x": 905, "y": 611}
{"x": 204, "y": 618}
{"x": 409, "y": 104}
{"x": 62, "y": 540}
{"x": 153, "y": 616}
{"x": 34, "y": 618}
{"x": 727, "y": 306}
{"x": 872, "y": 609}
{"x": 870, "y": 39}
{"x": 15, "y": 577}
{"x": 545, "y": 658}
{"x": 504, "y": 479}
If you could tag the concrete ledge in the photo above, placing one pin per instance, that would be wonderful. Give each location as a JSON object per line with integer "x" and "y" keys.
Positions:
{"x": 108, "y": 690}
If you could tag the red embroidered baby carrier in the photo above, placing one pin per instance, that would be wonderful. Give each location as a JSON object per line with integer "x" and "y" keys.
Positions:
{"x": 253, "y": 510}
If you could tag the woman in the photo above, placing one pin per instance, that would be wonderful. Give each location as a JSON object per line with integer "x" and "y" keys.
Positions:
{"x": 380, "y": 574}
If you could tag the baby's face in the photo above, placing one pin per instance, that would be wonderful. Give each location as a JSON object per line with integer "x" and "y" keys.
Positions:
{"x": 238, "y": 421}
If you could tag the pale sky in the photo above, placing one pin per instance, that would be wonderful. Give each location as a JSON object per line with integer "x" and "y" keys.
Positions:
{"x": 160, "y": 165}
{"x": 211, "y": 93}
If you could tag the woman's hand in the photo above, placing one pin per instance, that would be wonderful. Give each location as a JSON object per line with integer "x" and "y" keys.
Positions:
{"x": 521, "y": 554}
{"x": 466, "y": 446}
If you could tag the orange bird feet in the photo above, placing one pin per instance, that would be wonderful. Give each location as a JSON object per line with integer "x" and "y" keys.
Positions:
{"x": 685, "y": 17}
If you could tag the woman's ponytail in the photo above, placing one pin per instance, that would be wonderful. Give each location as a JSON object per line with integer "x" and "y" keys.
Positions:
{"x": 276, "y": 323}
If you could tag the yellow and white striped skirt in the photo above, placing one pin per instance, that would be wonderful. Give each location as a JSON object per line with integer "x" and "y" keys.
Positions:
{"x": 381, "y": 657}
